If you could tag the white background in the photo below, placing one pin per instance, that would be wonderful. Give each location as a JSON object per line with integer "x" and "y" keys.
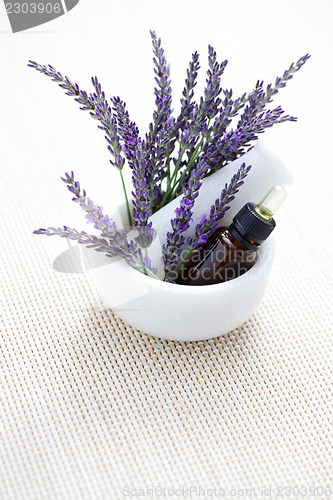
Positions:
{"x": 44, "y": 134}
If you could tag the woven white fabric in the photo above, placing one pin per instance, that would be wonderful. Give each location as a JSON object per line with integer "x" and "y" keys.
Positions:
{"x": 91, "y": 409}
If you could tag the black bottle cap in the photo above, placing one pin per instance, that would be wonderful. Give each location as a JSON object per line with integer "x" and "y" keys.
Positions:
{"x": 251, "y": 227}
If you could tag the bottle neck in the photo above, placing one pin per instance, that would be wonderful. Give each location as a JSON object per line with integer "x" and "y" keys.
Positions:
{"x": 250, "y": 245}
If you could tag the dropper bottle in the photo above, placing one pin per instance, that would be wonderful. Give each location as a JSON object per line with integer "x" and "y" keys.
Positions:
{"x": 230, "y": 252}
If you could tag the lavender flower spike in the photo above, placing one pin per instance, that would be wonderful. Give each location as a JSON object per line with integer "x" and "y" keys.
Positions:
{"x": 103, "y": 113}
{"x": 175, "y": 239}
{"x": 162, "y": 91}
{"x": 72, "y": 89}
{"x": 159, "y": 129}
{"x": 127, "y": 130}
{"x": 210, "y": 102}
{"x": 187, "y": 104}
{"x": 95, "y": 103}
{"x": 89, "y": 240}
{"x": 101, "y": 245}
{"x": 217, "y": 211}
{"x": 99, "y": 109}
{"x": 141, "y": 198}
{"x": 258, "y": 98}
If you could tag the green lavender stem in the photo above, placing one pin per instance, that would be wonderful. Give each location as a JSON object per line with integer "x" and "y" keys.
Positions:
{"x": 171, "y": 192}
{"x": 126, "y": 199}
{"x": 190, "y": 163}
{"x": 148, "y": 272}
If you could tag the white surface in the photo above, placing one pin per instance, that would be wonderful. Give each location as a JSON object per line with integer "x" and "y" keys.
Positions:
{"x": 88, "y": 405}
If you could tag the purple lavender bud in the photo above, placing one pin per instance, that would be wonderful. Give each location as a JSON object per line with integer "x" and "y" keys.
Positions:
{"x": 158, "y": 138}
{"x": 141, "y": 197}
{"x": 207, "y": 225}
{"x": 128, "y": 131}
{"x": 210, "y": 102}
{"x": 187, "y": 104}
{"x": 175, "y": 239}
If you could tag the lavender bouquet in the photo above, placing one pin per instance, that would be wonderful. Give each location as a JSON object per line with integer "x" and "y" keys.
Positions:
{"x": 173, "y": 157}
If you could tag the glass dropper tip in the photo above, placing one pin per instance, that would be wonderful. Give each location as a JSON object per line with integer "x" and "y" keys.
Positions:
{"x": 267, "y": 207}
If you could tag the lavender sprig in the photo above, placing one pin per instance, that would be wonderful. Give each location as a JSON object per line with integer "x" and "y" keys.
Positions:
{"x": 164, "y": 145}
{"x": 176, "y": 239}
{"x": 100, "y": 245}
{"x": 162, "y": 91}
{"x": 187, "y": 104}
{"x": 89, "y": 240}
{"x": 95, "y": 103}
{"x": 162, "y": 124}
{"x": 234, "y": 142}
{"x": 127, "y": 130}
{"x": 103, "y": 113}
{"x": 228, "y": 110}
{"x": 199, "y": 119}
{"x": 141, "y": 198}
{"x": 99, "y": 109}
{"x": 118, "y": 239}
{"x": 134, "y": 149}
{"x": 217, "y": 211}
{"x": 259, "y": 98}
{"x": 210, "y": 102}
{"x": 72, "y": 89}
{"x": 219, "y": 148}
{"x": 207, "y": 225}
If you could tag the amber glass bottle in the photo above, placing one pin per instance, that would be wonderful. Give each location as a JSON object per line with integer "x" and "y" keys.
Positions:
{"x": 230, "y": 252}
